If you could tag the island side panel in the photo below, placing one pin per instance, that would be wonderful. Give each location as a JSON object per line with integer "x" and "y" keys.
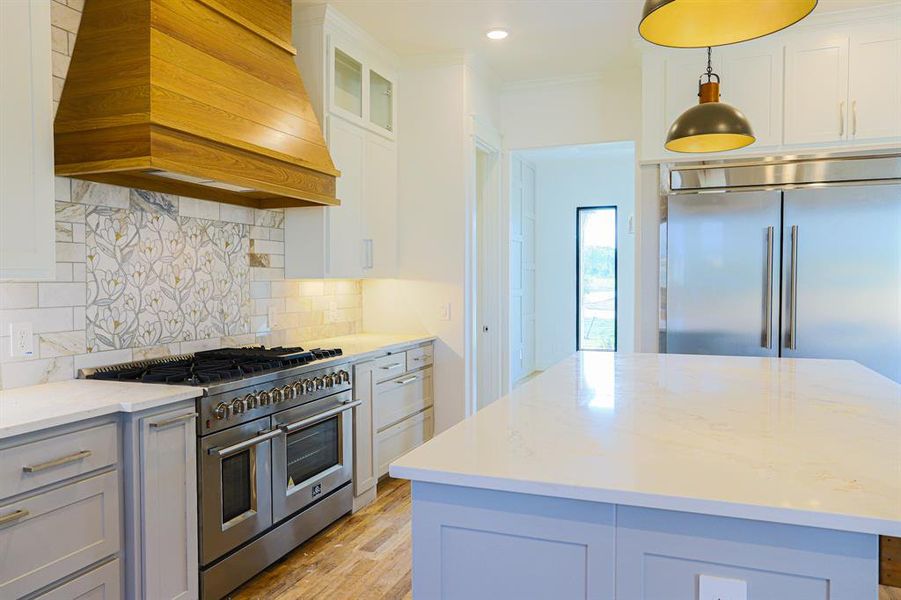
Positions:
{"x": 663, "y": 554}
{"x": 481, "y": 544}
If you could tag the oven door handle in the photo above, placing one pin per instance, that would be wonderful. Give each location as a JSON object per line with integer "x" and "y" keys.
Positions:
{"x": 229, "y": 450}
{"x": 320, "y": 417}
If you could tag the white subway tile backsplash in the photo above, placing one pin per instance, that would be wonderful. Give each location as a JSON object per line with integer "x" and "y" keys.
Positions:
{"x": 18, "y": 295}
{"x": 236, "y": 214}
{"x": 70, "y": 252}
{"x": 199, "y": 345}
{"x": 61, "y": 294}
{"x": 312, "y": 288}
{"x": 285, "y": 288}
{"x": 277, "y": 234}
{"x": 100, "y": 359}
{"x": 68, "y": 212}
{"x": 64, "y": 271}
{"x": 97, "y": 194}
{"x": 158, "y": 351}
{"x": 34, "y": 372}
{"x": 62, "y": 189}
{"x": 63, "y": 343}
{"x": 267, "y": 247}
{"x": 269, "y": 218}
{"x": 267, "y": 274}
{"x": 199, "y": 209}
{"x": 260, "y": 289}
{"x": 43, "y": 320}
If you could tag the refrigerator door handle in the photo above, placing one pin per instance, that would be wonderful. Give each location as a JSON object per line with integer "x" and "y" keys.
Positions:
{"x": 793, "y": 292}
{"x": 768, "y": 291}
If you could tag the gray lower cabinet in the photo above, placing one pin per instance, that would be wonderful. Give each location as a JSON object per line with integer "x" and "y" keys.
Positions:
{"x": 395, "y": 414}
{"x": 161, "y": 504}
{"x": 60, "y": 513}
{"x": 100, "y": 583}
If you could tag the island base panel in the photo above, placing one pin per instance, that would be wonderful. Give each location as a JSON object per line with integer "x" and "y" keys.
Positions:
{"x": 474, "y": 544}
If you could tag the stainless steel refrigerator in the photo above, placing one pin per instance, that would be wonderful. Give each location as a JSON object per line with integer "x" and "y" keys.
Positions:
{"x": 812, "y": 272}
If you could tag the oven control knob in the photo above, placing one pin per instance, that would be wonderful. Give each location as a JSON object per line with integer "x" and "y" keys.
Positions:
{"x": 221, "y": 411}
{"x": 319, "y": 383}
{"x": 238, "y": 406}
{"x": 309, "y": 386}
{"x": 329, "y": 380}
{"x": 298, "y": 388}
{"x": 287, "y": 392}
{"x": 250, "y": 401}
{"x": 265, "y": 398}
{"x": 343, "y": 376}
{"x": 276, "y": 395}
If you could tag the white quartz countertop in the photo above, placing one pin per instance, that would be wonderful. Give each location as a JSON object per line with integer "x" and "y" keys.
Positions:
{"x": 798, "y": 441}
{"x": 36, "y": 407}
{"x": 33, "y": 408}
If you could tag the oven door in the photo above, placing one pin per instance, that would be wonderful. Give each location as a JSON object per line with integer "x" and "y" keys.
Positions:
{"x": 235, "y": 487}
{"x": 315, "y": 454}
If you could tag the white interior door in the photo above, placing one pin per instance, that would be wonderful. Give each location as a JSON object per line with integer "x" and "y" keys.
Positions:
{"x": 488, "y": 273}
{"x": 522, "y": 270}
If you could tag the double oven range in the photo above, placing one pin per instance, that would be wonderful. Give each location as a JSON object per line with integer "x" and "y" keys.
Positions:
{"x": 274, "y": 450}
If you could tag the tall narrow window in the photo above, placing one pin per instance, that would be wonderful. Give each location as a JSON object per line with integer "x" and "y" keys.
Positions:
{"x": 596, "y": 271}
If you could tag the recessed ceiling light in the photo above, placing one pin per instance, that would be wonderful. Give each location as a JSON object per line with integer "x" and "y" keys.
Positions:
{"x": 497, "y": 34}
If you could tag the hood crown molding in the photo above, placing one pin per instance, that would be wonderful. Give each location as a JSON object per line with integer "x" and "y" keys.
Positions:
{"x": 200, "y": 98}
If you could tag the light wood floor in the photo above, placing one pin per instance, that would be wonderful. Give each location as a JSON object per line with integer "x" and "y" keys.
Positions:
{"x": 365, "y": 556}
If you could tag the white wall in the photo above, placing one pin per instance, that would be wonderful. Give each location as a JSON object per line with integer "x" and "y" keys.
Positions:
{"x": 573, "y": 111}
{"x": 564, "y": 182}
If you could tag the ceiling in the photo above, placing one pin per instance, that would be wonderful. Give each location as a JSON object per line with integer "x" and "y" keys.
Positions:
{"x": 548, "y": 38}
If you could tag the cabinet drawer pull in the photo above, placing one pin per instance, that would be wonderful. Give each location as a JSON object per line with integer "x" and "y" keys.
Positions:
{"x": 13, "y": 516}
{"x": 392, "y": 366}
{"x": 173, "y": 421}
{"x": 57, "y": 462}
{"x": 407, "y": 380}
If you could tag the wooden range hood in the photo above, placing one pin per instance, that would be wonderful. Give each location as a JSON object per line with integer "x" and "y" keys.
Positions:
{"x": 199, "y": 98}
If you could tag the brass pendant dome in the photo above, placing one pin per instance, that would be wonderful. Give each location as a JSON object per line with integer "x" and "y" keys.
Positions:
{"x": 700, "y": 23}
{"x": 711, "y": 126}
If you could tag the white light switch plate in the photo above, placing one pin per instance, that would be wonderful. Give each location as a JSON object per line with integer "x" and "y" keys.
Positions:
{"x": 444, "y": 312}
{"x": 722, "y": 588}
{"x": 21, "y": 340}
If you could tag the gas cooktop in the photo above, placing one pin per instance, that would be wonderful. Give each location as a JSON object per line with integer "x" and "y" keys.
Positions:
{"x": 210, "y": 367}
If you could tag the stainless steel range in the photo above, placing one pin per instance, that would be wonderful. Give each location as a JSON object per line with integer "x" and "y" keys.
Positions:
{"x": 274, "y": 450}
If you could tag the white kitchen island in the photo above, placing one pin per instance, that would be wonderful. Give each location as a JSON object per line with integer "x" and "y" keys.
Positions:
{"x": 661, "y": 477}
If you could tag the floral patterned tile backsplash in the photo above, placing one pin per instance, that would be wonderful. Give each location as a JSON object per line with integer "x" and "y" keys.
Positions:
{"x": 142, "y": 275}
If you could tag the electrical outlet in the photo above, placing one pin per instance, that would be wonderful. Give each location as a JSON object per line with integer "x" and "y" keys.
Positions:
{"x": 331, "y": 315}
{"x": 21, "y": 339}
{"x": 722, "y": 588}
{"x": 444, "y": 312}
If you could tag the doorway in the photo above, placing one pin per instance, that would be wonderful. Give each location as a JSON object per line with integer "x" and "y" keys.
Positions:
{"x": 596, "y": 278}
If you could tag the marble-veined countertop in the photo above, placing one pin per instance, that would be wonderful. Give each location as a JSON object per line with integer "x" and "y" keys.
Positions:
{"x": 798, "y": 441}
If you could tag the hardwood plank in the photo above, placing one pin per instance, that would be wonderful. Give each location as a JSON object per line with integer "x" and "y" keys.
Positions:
{"x": 890, "y": 561}
{"x": 272, "y": 16}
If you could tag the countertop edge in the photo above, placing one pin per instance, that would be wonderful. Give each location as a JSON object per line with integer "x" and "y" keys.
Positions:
{"x": 719, "y": 508}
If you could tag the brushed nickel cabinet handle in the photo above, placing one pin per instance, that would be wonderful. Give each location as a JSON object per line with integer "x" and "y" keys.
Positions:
{"x": 56, "y": 462}
{"x": 392, "y": 366}
{"x": 841, "y": 119}
{"x": 13, "y": 516}
{"x": 793, "y": 292}
{"x": 407, "y": 380}
{"x": 854, "y": 118}
{"x": 173, "y": 421}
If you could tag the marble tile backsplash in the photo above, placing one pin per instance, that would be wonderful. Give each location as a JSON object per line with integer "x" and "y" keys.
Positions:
{"x": 143, "y": 275}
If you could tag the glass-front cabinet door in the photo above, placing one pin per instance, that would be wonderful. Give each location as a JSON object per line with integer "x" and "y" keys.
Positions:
{"x": 348, "y": 84}
{"x": 381, "y": 101}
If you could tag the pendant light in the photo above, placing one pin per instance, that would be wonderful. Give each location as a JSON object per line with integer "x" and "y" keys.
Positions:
{"x": 699, "y": 23}
{"x": 711, "y": 126}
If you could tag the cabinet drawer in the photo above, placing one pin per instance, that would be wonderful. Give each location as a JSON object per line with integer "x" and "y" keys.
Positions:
{"x": 49, "y": 536}
{"x": 399, "y": 439}
{"x": 419, "y": 357}
{"x": 389, "y": 366}
{"x": 101, "y": 583}
{"x": 397, "y": 399}
{"x": 36, "y": 464}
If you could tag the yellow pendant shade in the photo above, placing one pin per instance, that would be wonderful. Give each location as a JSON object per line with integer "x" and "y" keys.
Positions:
{"x": 701, "y": 23}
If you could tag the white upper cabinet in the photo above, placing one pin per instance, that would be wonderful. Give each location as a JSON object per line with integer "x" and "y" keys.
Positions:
{"x": 831, "y": 82}
{"x": 816, "y": 90}
{"x": 347, "y": 144}
{"x": 352, "y": 87}
{"x": 874, "y": 91}
{"x": 380, "y": 208}
{"x": 752, "y": 82}
{"x": 27, "y": 229}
